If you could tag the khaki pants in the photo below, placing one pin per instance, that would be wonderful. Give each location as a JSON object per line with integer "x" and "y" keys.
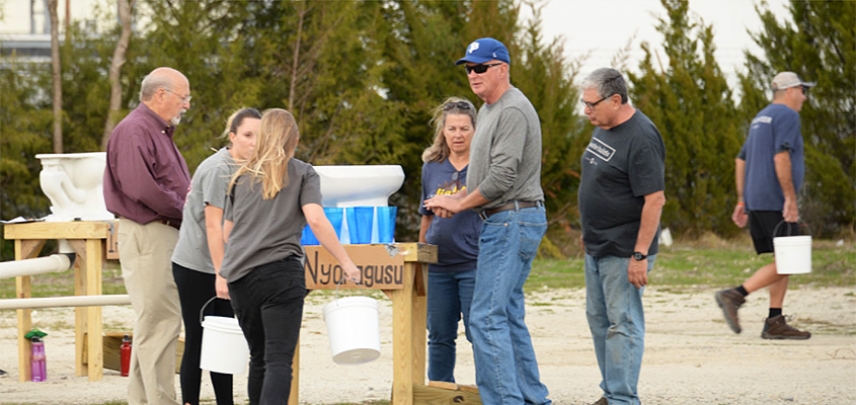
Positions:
{"x": 146, "y": 258}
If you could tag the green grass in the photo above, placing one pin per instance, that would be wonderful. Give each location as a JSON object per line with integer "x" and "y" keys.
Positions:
{"x": 681, "y": 266}
{"x": 699, "y": 267}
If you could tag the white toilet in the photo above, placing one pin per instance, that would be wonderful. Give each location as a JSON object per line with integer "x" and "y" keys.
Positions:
{"x": 72, "y": 182}
{"x": 359, "y": 185}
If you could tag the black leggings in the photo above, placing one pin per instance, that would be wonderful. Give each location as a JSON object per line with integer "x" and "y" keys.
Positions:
{"x": 194, "y": 289}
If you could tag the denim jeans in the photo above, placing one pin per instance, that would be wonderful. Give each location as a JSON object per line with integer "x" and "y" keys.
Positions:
{"x": 506, "y": 368}
{"x": 449, "y": 297}
{"x": 269, "y": 305}
{"x": 195, "y": 288}
{"x": 617, "y": 323}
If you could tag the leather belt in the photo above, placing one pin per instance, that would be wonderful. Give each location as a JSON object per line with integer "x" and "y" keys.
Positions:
{"x": 510, "y": 206}
{"x": 174, "y": 224}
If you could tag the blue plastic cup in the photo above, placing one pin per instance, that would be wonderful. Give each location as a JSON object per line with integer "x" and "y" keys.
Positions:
{"x": 360, "y": 224}
{"x": 335, "y": 215}
{"x": 386, "y": 224}
{"x": 308, "y": 238}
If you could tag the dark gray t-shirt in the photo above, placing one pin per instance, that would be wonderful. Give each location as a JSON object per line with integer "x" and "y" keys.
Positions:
{"x": 619, "y": 167}
{"x": 266, "y": 231}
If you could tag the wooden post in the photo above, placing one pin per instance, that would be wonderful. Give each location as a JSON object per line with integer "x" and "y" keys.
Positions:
{"x": 87, "y": 239}
{"x": 25, "y": 249}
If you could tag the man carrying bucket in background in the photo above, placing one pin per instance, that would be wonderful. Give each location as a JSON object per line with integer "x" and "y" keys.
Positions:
{"x": 770, "y": 169}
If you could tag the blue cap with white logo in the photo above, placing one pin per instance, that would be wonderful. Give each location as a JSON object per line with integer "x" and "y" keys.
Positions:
{"x": 485, "y": 50}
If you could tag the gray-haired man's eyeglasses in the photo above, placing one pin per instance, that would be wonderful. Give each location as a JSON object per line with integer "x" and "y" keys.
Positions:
{"x": 184, "y": 99}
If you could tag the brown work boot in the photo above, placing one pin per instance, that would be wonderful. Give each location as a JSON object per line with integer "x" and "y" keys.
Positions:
{"x": 777, "y": 328}
{"x": 730, "y": 301}
{"x": 601, "y": 401}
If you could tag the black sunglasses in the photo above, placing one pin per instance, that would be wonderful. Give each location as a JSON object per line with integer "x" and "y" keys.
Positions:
{"x": 463, "y": 105}
{"x": 480, "y": 68}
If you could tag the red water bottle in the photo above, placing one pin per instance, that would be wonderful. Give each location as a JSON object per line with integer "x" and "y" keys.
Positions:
{"x": 125, "y": 355}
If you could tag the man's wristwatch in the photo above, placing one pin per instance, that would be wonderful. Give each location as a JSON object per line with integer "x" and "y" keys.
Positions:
{"x": 638, "y": 256}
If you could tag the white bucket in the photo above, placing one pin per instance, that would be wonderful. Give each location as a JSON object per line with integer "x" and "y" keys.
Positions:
{"x": 224, "y": 349}
{"x": 793, "y": 254}
{"x": 353, "y": 329}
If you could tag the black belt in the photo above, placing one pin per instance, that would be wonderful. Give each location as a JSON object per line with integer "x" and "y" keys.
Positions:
{"x": 510, "y": 206}
{"x": 167, "y": 222}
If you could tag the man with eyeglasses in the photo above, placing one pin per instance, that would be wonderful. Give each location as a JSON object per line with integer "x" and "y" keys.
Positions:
{"x": 146, "y": 182}
{"x": 621, "y": 197}
{"x": 504, "y": 187}
{"x": 770, "y": 169}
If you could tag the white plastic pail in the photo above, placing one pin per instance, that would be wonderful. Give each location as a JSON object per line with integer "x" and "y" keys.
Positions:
{"x": 793, "y": 254}
{"x": 224, "y": 349}
{"x": 352, "y": 326}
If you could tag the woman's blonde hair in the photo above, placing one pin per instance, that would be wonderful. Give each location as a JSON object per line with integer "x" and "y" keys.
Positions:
{"x": 275, "y": 146}
{"x": 439, "y": 150}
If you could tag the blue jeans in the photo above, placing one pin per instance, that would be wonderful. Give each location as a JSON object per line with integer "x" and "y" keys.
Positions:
{"x": 617, "y": 323}
{"x": 449, "y": 297}
{"x": 506, "y": 368}
{"x": 269, "y": 305}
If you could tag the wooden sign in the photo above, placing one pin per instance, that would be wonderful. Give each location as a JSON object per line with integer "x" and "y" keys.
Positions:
{"x": 381, "y": 266}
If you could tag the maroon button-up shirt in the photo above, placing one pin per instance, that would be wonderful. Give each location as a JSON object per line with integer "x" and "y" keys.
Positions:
{"x": 146, "y": 178}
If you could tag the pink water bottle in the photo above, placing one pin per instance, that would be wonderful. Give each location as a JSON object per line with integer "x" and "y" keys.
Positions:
{"x": 38, "y": 364}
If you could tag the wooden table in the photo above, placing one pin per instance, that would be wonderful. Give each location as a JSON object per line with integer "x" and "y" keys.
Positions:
{"x": 93, "y": 242}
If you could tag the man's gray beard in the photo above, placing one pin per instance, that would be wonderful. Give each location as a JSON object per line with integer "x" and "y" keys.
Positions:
{"x": 177, "y": 119}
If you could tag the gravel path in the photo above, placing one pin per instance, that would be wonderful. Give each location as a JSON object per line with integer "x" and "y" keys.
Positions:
{"x": 691, "y": 356}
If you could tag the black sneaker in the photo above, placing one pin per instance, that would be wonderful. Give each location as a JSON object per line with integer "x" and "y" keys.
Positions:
{"x": 730, "y": 301}
{"x": 3, "y": 373}
{"x": 777, "y": 328}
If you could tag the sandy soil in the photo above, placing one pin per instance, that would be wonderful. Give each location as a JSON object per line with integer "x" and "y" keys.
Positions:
{"x": 691, "y": 356}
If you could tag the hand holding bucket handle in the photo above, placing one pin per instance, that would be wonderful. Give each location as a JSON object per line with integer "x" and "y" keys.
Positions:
{"x": 792, "y": 252}
{"x": 789, "y": 229}
{"x": 202, "y": 310}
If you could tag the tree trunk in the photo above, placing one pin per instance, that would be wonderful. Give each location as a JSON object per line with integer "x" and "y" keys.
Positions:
{"x": 125, "y": 7}
{"x": 56, "y": 76}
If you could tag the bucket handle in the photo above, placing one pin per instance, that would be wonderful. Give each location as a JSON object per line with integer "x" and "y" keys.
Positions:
{"x": 788, "y": 224}
{"x": 342, "y": 280}
{"x": 202, "y": 310}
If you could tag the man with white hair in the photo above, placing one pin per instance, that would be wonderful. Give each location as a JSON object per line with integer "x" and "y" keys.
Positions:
{"x": 770, "y": 169}
{"x": 146, "y": 182}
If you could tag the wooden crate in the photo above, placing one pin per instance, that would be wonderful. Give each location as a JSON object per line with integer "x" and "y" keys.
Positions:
{"x": 112, "y": 343}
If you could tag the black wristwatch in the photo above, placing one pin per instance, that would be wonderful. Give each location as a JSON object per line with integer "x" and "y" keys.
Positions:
{"x": 638, "y": 256}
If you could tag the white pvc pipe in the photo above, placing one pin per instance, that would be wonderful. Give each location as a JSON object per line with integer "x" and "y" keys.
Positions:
{"x": 38, "y": 265}
{"x": 55, "y": 302}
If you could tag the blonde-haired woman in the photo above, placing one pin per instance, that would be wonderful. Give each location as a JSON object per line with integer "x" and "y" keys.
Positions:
{"x": 199, "y": 251}
{"x": 451, "y": 280}
{"x": 273, "y": 196}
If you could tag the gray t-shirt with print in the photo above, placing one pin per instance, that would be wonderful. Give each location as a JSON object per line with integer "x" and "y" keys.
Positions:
{"x": 208, "y": 187}
{"x": 266, "y": 231}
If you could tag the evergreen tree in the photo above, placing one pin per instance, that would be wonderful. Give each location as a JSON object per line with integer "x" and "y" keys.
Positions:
{"x": 819, "y": 44}
{"x": 692, "y": 106}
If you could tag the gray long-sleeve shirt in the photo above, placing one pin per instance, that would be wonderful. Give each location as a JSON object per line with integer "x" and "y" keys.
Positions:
{"x": 505, "y": 155}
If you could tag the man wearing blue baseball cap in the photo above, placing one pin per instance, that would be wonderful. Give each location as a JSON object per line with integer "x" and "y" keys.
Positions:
{"x": 504, "y": 183}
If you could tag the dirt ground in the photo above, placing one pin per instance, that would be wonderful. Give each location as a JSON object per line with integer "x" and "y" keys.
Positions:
{"x": 691, "y": 356}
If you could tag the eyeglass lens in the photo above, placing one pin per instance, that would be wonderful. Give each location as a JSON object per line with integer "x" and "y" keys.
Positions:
{"x": 481, "y": 68}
